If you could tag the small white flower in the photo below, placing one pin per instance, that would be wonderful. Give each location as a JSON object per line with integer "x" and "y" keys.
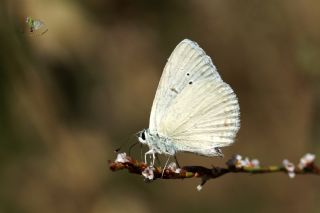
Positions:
{"x": 235, "y": 161}
{"x": 148, "y": 173}
{"x": 238, "y": 157}
{"x": 291, "y": 174}
{"x": 173, "y": 167}
{"x": 199, "y": 187}
{"x": 306, "y": 160}
{"x": 289, "y": 167}
{"x": 122, "y": 158}
{"x": 239, "y": 163}
{"x": 255, "y": 163}
{"x": 178, "y": 170}
{"x": 245, "y": 162}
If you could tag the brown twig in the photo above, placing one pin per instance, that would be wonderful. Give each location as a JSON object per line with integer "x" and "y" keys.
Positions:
{"x": 234, "y": 165}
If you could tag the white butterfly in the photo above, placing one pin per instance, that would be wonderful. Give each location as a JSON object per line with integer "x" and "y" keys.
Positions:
{"x": 193, "y": 110}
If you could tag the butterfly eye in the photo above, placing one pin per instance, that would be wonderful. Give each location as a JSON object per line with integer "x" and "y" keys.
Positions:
{"x": 142, "y": 137}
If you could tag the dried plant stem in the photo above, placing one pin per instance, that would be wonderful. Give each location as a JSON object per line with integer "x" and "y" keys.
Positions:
{"x": 136, "y": 167}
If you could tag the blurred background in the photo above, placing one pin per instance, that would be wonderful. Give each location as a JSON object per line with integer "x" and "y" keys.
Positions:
{"x": 71, "y": 96}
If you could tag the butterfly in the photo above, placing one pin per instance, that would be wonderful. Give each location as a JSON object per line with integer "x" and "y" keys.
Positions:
{"x": 35, "y": 27}
{"x": 194, "y": 110}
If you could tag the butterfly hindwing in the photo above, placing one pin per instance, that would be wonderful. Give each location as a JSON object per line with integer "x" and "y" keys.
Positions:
{"x": 203, "y": 117}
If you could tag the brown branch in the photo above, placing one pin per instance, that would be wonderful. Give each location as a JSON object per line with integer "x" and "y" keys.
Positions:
{"x": 234, "y": 165}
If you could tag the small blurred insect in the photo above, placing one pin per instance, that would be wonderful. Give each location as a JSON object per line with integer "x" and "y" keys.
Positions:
{"x": 35, "y": 27}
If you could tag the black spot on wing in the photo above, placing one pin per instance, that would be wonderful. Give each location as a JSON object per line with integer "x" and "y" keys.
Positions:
{"x": 174, "y": 90}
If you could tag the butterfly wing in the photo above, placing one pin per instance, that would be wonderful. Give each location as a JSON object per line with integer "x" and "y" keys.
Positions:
{"x": 188, "y": 62}
{"x": 193, "y": 107}
{"x": 204, "y": 116}
{"x": 37, "y": 24}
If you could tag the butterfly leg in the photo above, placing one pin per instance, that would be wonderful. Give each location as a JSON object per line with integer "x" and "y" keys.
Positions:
{"x": 153, "y": 158}
{"x": 164, "y": 168}
{"x": 150, "y": 152}
{"x": 175, "y": 158}
{"x": 44, "y": 32}
{"x": 219, "y": 152}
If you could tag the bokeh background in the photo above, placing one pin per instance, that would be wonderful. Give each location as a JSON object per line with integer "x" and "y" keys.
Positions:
{"x": 73, "y": 95}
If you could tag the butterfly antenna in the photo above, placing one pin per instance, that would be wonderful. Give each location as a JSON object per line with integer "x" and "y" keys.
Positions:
{"x": 122, "y": 145}
{"x": 130, "y": 148}
{"x": 141, "y": 150}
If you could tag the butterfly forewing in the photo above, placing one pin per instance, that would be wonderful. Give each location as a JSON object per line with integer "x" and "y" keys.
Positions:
{"x": 187, "y": 64}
